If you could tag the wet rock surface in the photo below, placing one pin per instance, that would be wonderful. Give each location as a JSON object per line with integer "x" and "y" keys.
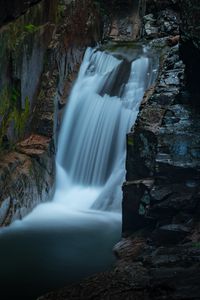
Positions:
{"x": 27, "y": 165}
{"x": 51, "y": 50}
{"x": 126, "y": 21}
{"x": 164, "y": 149}
{"x": 26, "y": 178}
{"x": 190, "y": 45}
{"x": 161, "y": 23}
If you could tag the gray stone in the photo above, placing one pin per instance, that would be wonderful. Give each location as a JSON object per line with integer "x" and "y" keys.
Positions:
{"x": 4, "y": 209}
{"x": 170, "y": 234}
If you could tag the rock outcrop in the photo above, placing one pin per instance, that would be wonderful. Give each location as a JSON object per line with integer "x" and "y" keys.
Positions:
{"x": 26, "y": 178}
{"x": 45, "y": 47}
{"x": 126, "y": 20}
{"x": 12, "y": 9}
{"x": 190, "y": 44}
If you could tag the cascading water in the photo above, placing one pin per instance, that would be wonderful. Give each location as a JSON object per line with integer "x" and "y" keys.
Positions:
{"x": 92, "y": 140}
{"x": 73, "y": 235}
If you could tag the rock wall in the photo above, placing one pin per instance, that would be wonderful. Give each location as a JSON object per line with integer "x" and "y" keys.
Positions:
{"x": 126, "y": 20}
{"x": 162, "y": 158}
{"x": 11, "y": 9}
{"x": 22, "y": 58}
{"x": 26, "y": 175}
{"x": 161, "y": 194}
{"x": 45, "y": 47}
{"x": 190, "y": 43}
{"x": 154, "y": 6}
{"x": 162, "y": 149}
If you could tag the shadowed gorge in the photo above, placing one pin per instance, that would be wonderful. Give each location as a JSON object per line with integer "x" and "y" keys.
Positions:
{"x": 99, "y": 150}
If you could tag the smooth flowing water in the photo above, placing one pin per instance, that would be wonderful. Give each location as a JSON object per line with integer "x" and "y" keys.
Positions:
{"x": 72, "y": 236}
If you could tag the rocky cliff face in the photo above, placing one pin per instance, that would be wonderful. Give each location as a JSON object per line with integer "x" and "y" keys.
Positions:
{"x": 39, "y": 59}
{"x": 161, "y": 195}
{"x": 10, "y": 10}
{"x": 126, "y": 20}
{"x": 22, "y": 59}
{"x": 190, "y": 44}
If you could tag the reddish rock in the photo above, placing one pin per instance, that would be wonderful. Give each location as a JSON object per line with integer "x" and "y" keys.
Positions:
{"x": 174, "y": 40}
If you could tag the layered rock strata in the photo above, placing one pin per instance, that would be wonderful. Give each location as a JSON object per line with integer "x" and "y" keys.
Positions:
{"x": 45, "y": 46}
{"x": 27, "y": 168}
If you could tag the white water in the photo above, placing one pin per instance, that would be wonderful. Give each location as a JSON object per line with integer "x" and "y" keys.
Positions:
{"x": 72, "y": 236}
{"x": 92, "y": 140}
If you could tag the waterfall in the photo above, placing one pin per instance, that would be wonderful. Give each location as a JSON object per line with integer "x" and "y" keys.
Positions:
{"x": 72, "y": 236}
{"x": 91, "y": 146}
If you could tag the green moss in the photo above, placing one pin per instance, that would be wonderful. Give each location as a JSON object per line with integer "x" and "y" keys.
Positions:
{"x": 130, "y": 141}
{"x": 146, "y": 199}
{"x": 15, "y": 34}
{"x": 196, "y": 245}
{"x": 4, "y": 101}
{"x": 20, "y": 118}
{"x": 10, "y": 111}
{"x": 60, "y": 12}
{"x": 30, "y": 28}
{"x": 141, "y": 210}
{"x": 15, "y": 95}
